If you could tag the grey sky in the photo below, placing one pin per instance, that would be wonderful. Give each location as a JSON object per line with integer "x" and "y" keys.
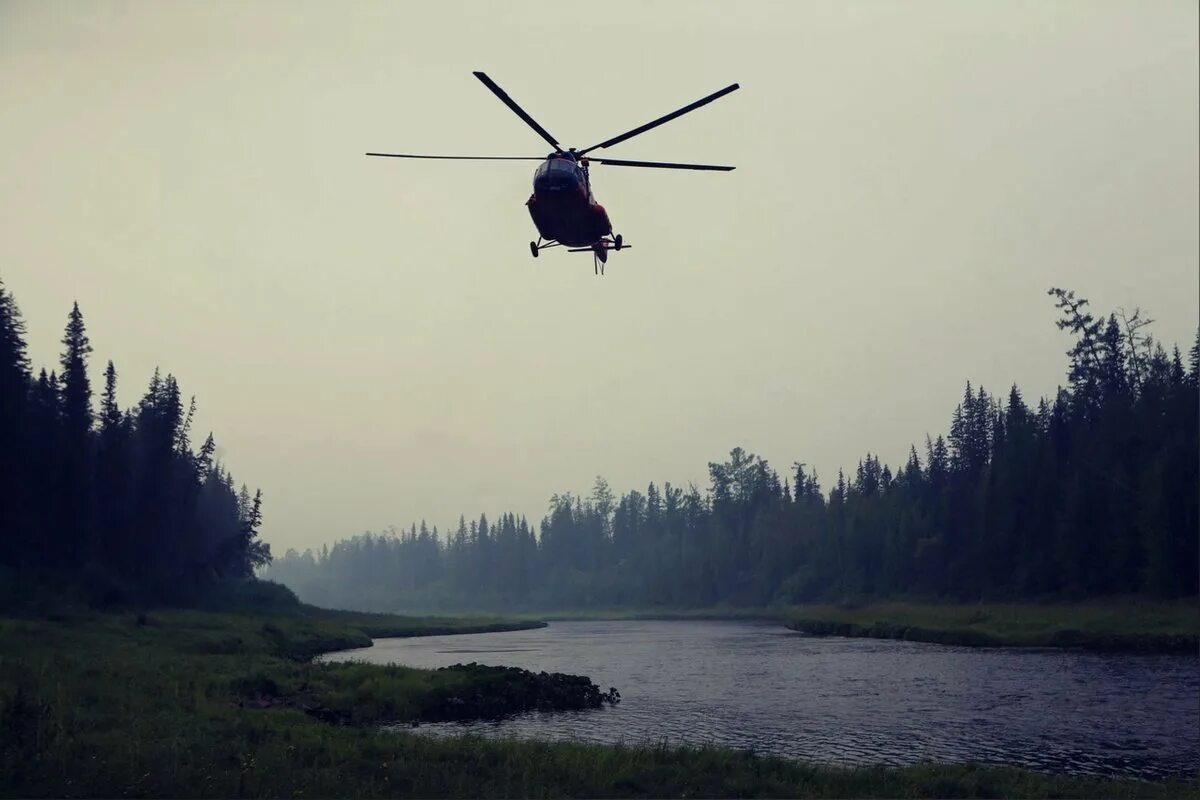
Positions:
{"x": 370, "y": 340}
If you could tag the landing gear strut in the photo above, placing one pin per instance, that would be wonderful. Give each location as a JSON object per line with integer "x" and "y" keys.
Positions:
{"x": 600, "y": 250}
{"x": 538, "y": 246}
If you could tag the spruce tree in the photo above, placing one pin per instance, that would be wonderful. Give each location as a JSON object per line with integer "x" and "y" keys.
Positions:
{"x": 76, "y": 388}
{"x": 15, "y": 533}
{"x": 1194, "y": 361}
{"x": 113, "y": 530}
{"x": 14, "y": 361}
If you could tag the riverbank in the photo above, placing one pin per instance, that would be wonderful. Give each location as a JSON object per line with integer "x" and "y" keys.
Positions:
{"x": 186, "y": 703}
{"x": 1131, "y": 625}
{"x": 750, "y": 613}
{"x": 1136, "y": 626}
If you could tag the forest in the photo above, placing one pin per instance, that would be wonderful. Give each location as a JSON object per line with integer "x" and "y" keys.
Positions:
{"x": 1089, "y": 493}
{"x": 115, "y": 503}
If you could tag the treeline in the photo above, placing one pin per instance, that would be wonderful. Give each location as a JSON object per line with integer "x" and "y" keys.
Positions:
{"x": 1091, "y": 492}
{"x": 115, "y": 501}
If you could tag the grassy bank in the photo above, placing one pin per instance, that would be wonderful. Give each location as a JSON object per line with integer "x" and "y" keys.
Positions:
{"x": 1136, "y": 625}
{"x": 1131, "y": 626}
{"x": 316, "y": 630}
{"x": 204, "y": 704}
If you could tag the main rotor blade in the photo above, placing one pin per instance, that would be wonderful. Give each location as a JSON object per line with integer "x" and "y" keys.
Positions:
{"x": 462, "y": 158}
{"x": 520, "y": 112}
{"x": 661, "y": 120}
{"x": 620, "y": 162}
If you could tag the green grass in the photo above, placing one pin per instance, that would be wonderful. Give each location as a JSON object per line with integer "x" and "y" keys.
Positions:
{"x": 186, "y": 704}
{"x": 1130, "y": 625}
{"x": 312, "y": 630}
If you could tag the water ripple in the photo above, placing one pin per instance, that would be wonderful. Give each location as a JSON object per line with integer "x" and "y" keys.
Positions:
{"x": 844, "y": 701}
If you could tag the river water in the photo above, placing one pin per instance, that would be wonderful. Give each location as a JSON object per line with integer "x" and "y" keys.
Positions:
{"x": 762, "y": 687}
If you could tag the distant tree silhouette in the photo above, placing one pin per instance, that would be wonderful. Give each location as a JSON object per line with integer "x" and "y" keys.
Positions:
{"x": 1091, "y": 492}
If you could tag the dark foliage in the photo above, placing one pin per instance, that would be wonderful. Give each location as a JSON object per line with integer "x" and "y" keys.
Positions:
{"x": 116, "y": 504}
{"x": 1090, "y": 493}
{"x": 496, "y": 692}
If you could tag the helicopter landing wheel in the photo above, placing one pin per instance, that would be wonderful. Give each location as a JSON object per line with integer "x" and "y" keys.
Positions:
{"x": 533, "y": 248}
{"x": 617, "y": 242}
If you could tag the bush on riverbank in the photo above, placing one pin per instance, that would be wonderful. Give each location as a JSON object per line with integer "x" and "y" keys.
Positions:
{"x": 483, "y": 692}
{"x": 361, "y": 694}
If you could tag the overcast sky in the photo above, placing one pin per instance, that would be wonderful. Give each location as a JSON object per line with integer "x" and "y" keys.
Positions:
{"x": 371, "y": 341}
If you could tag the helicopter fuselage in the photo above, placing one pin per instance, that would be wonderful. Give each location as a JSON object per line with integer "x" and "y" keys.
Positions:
{"x": 562, "y": 206}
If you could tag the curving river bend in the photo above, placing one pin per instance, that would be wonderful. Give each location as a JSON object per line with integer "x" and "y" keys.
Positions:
{"x": 760, "y": 686}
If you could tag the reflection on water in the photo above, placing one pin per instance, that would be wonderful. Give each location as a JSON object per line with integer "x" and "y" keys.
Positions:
{"x": 760, "y": 686}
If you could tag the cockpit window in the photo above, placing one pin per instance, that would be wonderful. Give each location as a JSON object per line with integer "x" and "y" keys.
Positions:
{"x": 556, "y": 166}
{"x": 557, "y": 171}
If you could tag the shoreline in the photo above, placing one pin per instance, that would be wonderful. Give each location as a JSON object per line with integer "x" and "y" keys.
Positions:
{"x": 1106, "y": 626}
{"x": 1059, "y": 640}
{"x": 122, "y": 704}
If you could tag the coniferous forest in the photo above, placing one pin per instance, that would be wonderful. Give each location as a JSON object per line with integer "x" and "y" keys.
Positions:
{"x": 114, "y": 501}
{"x": 1089, "y": 493}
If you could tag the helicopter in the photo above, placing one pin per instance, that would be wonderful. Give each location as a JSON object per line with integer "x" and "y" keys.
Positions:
{"x": 562, "y": 206}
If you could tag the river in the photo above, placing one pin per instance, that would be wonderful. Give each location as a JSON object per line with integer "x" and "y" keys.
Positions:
{"x": 762, "y": 687}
